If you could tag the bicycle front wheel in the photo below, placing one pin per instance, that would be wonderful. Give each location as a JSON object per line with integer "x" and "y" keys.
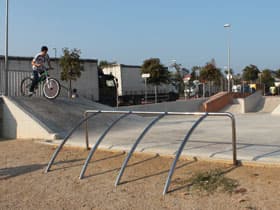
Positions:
{"x": 51, "y": 88}
{"x": 25, "y": 85}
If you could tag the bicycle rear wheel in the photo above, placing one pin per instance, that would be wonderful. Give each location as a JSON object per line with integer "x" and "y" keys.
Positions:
{"x": 51, "y": 88}
{"x": 25, "y": 85}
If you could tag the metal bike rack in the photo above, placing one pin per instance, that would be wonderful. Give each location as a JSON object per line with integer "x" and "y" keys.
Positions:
{"x": 171, "y": 171}
{"x": 160, "y": 115}
{"x": 93, "y": 149}
{"x": 67, "y": 137}
{"x": 149, "y": 126}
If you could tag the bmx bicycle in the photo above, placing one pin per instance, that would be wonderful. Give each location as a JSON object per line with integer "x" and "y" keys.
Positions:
{"x": 51, "y": 87}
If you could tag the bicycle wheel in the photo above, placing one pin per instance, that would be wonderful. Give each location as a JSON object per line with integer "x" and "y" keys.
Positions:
{"x": 51, "y": 88}
{"x": 25, "y": 85}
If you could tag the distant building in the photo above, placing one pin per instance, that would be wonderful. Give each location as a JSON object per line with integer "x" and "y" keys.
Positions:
{"x": 131, "y": 85}
{"x": 20, "y": 67}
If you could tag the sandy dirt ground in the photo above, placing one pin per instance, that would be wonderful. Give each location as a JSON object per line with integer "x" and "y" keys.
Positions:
{"x": 24, "y": 185}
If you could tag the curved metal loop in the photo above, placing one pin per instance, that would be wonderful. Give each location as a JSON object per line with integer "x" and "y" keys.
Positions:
{"x": 66, "y": 138}
{"x": 93, "y": 149}
{"x": 202, "y": 115}
{"x": 147, "y": 128}
{"x": 178, "y": 154}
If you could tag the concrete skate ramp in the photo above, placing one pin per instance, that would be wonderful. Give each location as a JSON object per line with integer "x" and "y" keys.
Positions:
{"x": 212, "y": 139}
{"x": 268, "y": 104}
{"x": 233, "y": 108}
{"x": 58, "y": 115}
{"x": 192, "y": 105}
{"x": 276, "y": 111}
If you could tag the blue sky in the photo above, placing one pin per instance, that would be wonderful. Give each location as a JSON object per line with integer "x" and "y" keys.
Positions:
{"x": 130, "y": 31}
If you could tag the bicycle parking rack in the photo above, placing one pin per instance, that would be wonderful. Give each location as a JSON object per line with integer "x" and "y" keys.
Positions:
{"x": 159, "y": 115}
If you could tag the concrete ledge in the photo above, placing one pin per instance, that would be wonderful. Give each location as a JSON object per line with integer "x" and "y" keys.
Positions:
{"x": 276, "y": 111}
{"x": 192, "y": 105}
{"x": 1, "y": 117}
{"x": 240, "y": 95}
{"x": 251, "y": 102}
{"x": 185, "y": 156}
{"x": 217, "y": 102}
{"x": 17, "y": 123}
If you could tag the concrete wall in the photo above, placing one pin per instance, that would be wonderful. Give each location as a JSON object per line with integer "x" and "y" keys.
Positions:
{"x": 276, "y": 111}
{"x": 250, "y": 103}
{"x": 16, "y": 123}
{"x": 87, "y": 84}
{"x": 1, "y": 117}
{"x": 176, "y": 106}
{"x": 217, "y": 102}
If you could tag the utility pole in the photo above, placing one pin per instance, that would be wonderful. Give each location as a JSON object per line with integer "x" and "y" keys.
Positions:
{"x": 6, "y": 48}
{"x": 54, "y": 52}
{"x": 227, "y": 26}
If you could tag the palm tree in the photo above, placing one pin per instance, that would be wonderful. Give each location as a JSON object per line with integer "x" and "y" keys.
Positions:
{"x": 210, "y": 73}
{"x": 158, "y": 73}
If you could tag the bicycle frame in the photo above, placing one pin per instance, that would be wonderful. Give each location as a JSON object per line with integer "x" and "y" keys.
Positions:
{"x": 44, "y": 76}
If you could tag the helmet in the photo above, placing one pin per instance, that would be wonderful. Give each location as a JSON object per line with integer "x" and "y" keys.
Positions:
{"x": 44, "y": 48}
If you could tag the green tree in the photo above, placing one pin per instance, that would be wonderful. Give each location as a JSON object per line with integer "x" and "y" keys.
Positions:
{"x": 210, "y": 73}
{"x": 250, "y": 73}
{"x": 177, "y": 79}
{"x": 71, "y": 66}
{"x": 195, "y": 73}
{"x": 267, "y": 78}
{"x": 237, "y": 78}
{"x": 104, "y": 63}
{"x": 278, "y": 73}
{"x": 158, "y": 73}
{"x": 230, "y": 71}
{"x": 178, "y": 75}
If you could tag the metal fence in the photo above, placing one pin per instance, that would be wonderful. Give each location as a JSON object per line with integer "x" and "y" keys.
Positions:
{"x": 159, "y": 115}
{"x": 14, "y": 81}
{"x": 2, "y": 78}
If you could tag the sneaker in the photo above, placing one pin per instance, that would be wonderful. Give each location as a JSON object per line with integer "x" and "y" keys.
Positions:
{"x": 30, "y": 94}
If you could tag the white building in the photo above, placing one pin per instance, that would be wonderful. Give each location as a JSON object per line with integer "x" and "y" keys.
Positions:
{"x": 20, "y": 67}
{"x": 131, "y": 85}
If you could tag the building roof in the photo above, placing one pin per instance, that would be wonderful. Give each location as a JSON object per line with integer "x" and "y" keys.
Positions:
{"x": 123, "y": 65}
{"x": 23, "y": 58}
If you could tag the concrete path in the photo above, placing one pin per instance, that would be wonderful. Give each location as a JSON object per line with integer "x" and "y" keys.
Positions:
{"x": 258, "y": 134}
{"x": 257, "y": 137}
{"x": 266, "y": 104}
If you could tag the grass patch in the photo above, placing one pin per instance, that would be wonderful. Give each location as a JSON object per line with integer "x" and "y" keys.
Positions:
{"x": 211, "y": 181}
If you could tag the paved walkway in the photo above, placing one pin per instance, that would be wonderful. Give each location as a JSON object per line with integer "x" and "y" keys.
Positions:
{"x": 257, "y": 133}
{"x": 257, "y": 137}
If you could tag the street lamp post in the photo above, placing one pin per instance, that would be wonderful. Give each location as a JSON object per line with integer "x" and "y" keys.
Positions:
{"x": 6, "y": 48}
{"x": 55, "y": 50}
{"x": 227, "y": 26}
{"x": 146, "y": 76}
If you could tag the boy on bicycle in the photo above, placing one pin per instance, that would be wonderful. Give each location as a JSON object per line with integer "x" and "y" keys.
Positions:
{"x": 38, "y": 66}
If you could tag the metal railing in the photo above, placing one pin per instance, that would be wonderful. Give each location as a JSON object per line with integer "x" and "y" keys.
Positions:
{"x": 14, "y": 82}
{"x": 159, "y": 115}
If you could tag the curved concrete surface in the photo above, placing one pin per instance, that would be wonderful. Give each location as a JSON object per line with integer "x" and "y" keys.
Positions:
{"x": 257, "y": 133}
{"x": 235, "y": 108}
{"x": 267, "y": 104}
{"x": 190, "y": 105}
